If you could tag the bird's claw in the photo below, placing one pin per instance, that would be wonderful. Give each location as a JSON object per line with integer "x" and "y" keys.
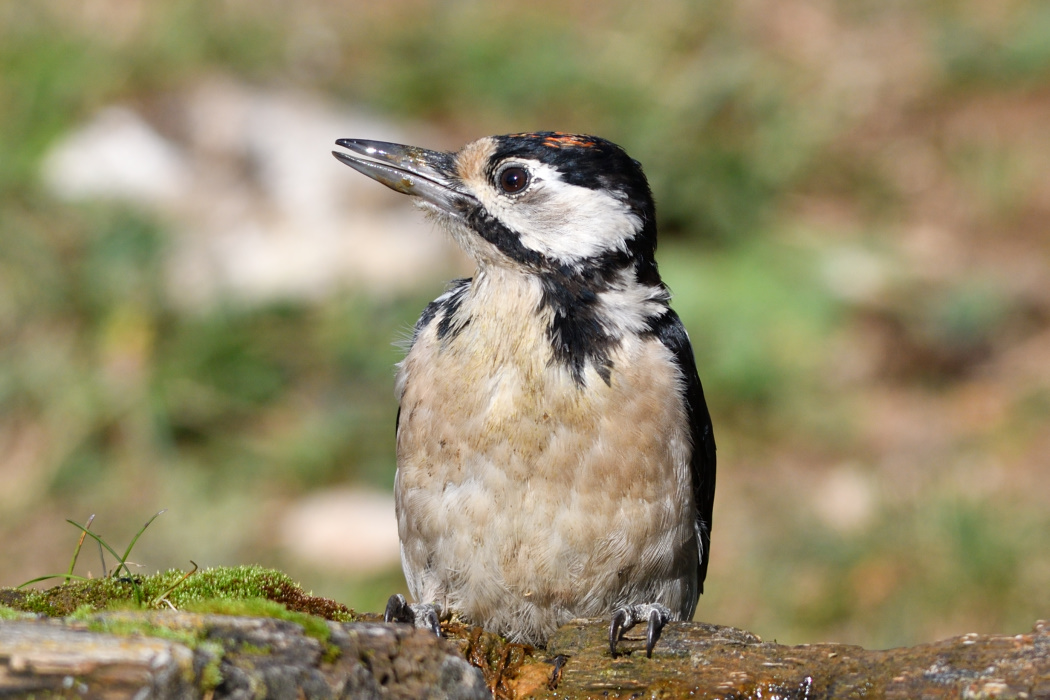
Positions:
{"x": 626, "y": 617}
{"x": 617, "y": 628}
{"x": 425, "y": 615}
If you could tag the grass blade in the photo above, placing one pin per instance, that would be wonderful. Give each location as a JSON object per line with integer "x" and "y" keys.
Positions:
{"x": 68, "y": 577}
{"x": 135, "y": 539}
{"x": 76, "y": 552}
{"x": 122, "y": 562}
{"x": 101, "y": 542}
{"x": 163, "y": 596}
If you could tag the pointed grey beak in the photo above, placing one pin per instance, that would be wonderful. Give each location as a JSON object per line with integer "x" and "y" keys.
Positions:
{"x": 406, "y": 169}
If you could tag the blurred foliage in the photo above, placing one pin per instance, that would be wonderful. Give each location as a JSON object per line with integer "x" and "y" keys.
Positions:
{"x": 710, "y": 112}
{"x": 776, "y": 149}
{"x": 1010, "y": 52}
{"x": 956, "y": 551}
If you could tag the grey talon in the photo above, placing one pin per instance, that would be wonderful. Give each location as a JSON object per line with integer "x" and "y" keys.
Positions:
{"x": 398, "y": 610}
{"x": 615, "y": 628}
{"x": 425, "y": 615}
{"x": 657, "y": 620}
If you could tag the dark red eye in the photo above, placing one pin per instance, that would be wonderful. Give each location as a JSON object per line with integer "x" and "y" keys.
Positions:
{"x": 513, "y": 179}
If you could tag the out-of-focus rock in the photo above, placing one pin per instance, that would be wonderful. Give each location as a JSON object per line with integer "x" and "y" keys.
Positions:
{"x": 853, "y": 274}
{"x": 118, "y": 155}
{"x": 346, "y": 530}
{"x": 845, "y": 500}
{"x": 259, "y": 210}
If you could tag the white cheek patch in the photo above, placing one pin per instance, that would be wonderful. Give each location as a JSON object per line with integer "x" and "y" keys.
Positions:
{"x": 562, "y": 221}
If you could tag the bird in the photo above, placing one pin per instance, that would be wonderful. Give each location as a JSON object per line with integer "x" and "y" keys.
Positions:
{"x": 555, "y": 453}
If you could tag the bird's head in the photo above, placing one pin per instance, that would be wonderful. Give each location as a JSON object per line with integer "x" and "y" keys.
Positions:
{"x": 572, "y": 213}
{"x": 544, "y": 203}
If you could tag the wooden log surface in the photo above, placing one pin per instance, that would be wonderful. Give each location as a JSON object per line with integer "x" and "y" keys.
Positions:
{"x": 170, "y": 654}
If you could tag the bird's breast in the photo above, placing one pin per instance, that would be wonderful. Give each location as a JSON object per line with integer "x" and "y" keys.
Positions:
{"x": 488, "y": 404}
{"x": 491, "y": 386}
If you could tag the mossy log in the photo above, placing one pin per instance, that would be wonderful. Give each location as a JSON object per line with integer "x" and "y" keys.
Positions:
{"x": 245, "y": 632}
{"x": 169, "y": 654}
{"x": 174, "y": 654}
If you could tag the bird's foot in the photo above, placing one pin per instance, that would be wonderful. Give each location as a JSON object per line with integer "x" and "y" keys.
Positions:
{"x": 626, "y": 617}
{"x": 425, "y": 615}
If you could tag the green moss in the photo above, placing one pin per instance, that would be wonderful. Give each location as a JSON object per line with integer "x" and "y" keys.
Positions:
{"x": 195, "y": 636}
{"x": 260, "y": 607}
{"x": 7, "y": 613}
{"x": 249, "y": 648}
{"x": 132, "y": 626}
{"x": 93, "y": 595}
{"x": 312, "y": 625}
{"x": 331, "y": 653}
{"x": 226, "y": 583}
{"x": 270, "y": 593}
{"x": 190, "y": 635}
{"x": 84, "y": 612}
{"x": 211, "y": 675}
{"x": 248, "y": 591}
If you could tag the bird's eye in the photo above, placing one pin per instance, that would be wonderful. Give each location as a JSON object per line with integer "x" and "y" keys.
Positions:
{"x": 513, "y": 179}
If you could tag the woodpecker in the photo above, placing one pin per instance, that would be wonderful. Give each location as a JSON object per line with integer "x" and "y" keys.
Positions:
{"x": 555, "y": 455}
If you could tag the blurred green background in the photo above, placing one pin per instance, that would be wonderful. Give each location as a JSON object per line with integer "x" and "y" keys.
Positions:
{"x": 854, "y": 200}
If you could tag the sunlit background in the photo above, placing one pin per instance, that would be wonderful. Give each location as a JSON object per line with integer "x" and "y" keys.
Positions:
{"x": 198, "y": 305}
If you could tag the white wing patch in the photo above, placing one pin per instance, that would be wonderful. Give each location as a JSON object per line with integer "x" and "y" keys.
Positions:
{"x": 628, "y": 307}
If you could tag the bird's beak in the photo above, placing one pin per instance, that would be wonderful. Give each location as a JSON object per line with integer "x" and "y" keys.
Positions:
{"x": 406, "y": 169}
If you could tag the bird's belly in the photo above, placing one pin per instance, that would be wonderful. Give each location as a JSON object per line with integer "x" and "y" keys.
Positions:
{"x": 525, "y": 500}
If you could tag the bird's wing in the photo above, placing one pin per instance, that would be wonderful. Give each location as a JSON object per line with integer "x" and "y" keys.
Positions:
{"x": 670, "y": 331}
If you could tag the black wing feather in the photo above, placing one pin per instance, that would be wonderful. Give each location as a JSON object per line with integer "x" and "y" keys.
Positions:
{"x": 669, "y": 330}
{"x": 446, "y": 305}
